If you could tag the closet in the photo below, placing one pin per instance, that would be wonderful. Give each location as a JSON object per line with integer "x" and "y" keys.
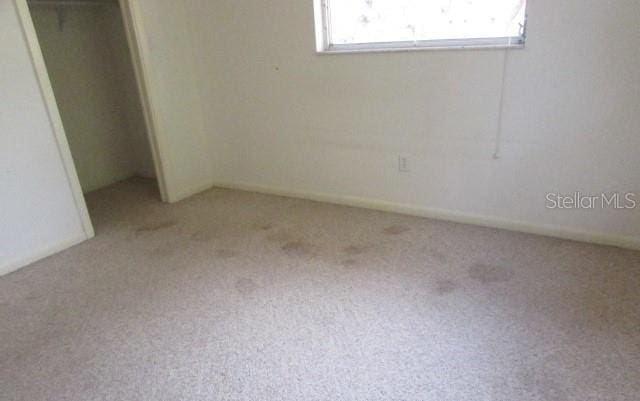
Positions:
{"x": 89, "y": 64}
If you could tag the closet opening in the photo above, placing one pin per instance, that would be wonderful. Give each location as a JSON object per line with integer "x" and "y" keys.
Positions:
{"x": 86, "y": 46}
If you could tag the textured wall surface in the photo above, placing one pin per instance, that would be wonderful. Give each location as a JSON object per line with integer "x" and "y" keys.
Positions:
{"x": 284, "y": 117}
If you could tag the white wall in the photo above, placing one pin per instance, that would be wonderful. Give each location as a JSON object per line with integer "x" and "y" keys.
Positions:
{"x": 92, "y": 76}
{"x": 242, "y": 100}
{"x": 38, "y": 214}
{"x": 332, "y": 127}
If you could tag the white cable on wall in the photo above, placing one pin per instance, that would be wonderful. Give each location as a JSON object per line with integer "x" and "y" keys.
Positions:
{"x": 497, "y": 154}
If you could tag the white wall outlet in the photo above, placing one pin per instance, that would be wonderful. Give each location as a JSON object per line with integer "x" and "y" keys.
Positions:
{"x": 403, "y": 164}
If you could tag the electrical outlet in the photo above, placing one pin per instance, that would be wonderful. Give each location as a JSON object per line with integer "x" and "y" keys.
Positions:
{"x": 403, "y": 164}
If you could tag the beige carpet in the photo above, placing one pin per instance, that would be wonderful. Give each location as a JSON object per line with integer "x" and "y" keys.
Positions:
{"x": 239, "y": 296}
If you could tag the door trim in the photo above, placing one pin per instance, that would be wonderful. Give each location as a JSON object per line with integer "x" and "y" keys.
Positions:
{"x": 134, "y": 29}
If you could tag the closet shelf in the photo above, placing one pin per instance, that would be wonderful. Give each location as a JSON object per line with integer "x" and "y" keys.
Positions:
{"x": 58, "y": 3}
{"x": 61, "y": 4}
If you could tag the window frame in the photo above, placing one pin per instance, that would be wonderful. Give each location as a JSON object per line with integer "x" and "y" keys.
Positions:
{"x": 324, "y": 45}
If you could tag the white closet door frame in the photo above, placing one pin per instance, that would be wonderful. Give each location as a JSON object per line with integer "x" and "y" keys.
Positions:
{"x": 55, "y": 120}
{"x": 134, "y": 30}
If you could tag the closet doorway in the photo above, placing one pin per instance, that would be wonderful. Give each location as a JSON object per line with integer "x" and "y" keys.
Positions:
{"x": 97, "y": 83}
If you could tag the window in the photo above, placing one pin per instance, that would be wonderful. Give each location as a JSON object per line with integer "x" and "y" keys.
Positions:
{"x": 373, "y": 25}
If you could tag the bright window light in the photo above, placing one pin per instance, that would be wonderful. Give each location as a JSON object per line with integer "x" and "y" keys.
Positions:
{"x": 405, "y": 24}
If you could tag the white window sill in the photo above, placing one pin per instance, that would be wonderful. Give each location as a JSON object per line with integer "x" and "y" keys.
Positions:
{"x": 464, "y": 44}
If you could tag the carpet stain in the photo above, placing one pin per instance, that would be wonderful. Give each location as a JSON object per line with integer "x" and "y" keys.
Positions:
{"x": 226, "y": 253}
{"x": 438, "y": 257}
{"x": 203, "y": 235}
{"x": 281, "y": 236}
{"x": 297, "y": 248}
{"x": 444, "y": 287}
{"x": 152, "y": 227}
{"x": 263, "y": 226}
{"x": 164, "y": 251}
{"x": 246, "y": 286}
{"x": 349, "y": 263}
{"x": 487, "y": 274}
{"x": 543, "y": 384}
{"x": 354, "y": 249}
{"x": 395, "y": 230}
{"x": 31, "y": 298}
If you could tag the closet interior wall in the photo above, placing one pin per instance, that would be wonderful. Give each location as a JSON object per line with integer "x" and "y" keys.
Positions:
{"x": 92, "y": 75}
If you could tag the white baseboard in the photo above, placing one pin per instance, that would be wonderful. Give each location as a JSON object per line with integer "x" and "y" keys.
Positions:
{"x": 18, "y": 263}
{"x": 187, "y": 193}
{"x": 448, "y": 215}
